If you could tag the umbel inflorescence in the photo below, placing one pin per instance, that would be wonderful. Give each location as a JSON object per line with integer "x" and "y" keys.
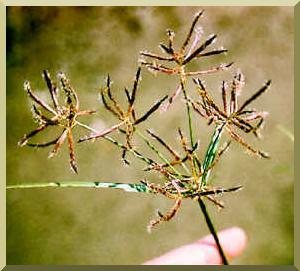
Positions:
{"x": 63, "y": 115}
{"x": 186, "y": 175}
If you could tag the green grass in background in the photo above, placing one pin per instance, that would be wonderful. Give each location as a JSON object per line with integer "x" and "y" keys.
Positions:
{"x": 81, "y": 226}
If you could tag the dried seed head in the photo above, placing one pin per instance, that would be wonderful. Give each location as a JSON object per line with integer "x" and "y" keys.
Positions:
{"x": 62, "y": 116}
{"x": 183, "y": 56}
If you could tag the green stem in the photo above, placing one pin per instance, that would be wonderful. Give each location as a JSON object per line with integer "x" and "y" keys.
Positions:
{"x": 209, "y": 158}
{"x": 188, "y": 109}
{"x": 133, "y": 151}
{"x": 118, "y": 144}
{"x": 128, "y": 187}
{"x": 189, "y": 115}
{"x": 161, "y": 156}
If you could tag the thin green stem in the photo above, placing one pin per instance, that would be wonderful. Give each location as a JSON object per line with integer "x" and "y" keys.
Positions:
{"x": 209, "y": 158}
{"x": 133, "y": 151}
{"x": 208, "y": 161}
{"x": 128, "y": 187}
{"x": 185, "y": 168}
{"x": 161, "y": 156}
{"x": 189, "y": 115}
{"x": 188, "y": 109}
{"x": 86, "y": 127}
{"x": 212, "y": 230}
{"x": 118, "y": 144}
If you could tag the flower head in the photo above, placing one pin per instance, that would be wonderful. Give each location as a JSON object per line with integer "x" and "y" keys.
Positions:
{"x": 127, "y": 118}
{"x": 62, "y": 115}
{"x": 174, "y": 61}
{"x": 232, "y": 115}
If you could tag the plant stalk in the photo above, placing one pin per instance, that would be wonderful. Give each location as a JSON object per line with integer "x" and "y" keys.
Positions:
{"x": 209, "y": 159}
{"x": 212, "y": 230}
{"x": 213, "y": 145}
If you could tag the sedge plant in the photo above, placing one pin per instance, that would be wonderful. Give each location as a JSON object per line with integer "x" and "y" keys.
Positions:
{"x": 186, "y": 175}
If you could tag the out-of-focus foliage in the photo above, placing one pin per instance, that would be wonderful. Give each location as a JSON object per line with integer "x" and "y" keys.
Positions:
{"x": 81, "y": 226}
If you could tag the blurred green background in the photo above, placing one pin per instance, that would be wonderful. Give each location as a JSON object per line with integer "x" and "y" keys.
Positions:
{"x": 87, "y": 226}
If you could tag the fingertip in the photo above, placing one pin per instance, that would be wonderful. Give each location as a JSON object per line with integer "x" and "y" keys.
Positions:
{"x": 240, "y": 241}
{"x": 191, "y": 254}
{"x": 204, "y": 251}
{"x": 233, "y": 242}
